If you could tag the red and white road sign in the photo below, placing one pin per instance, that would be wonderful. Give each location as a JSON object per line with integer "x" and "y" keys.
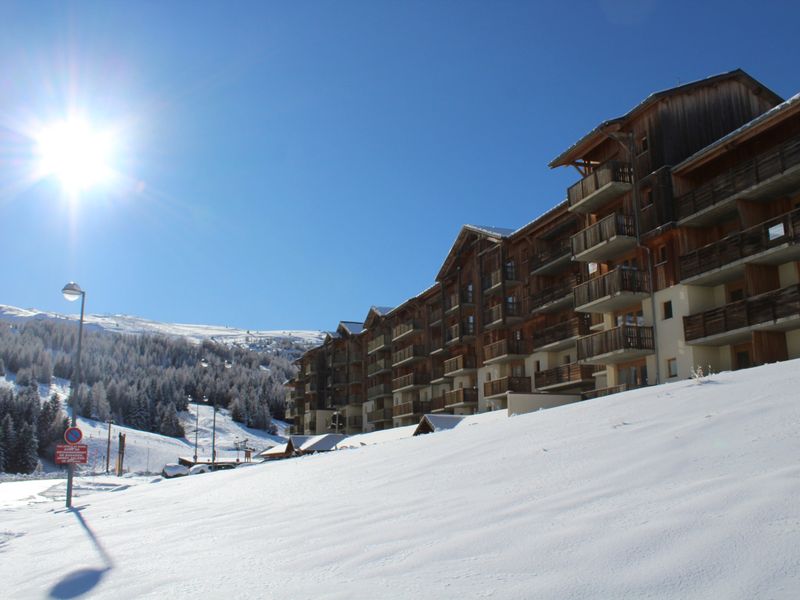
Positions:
{"x": 76, "y": 454}
{"x": 73, "y": 435}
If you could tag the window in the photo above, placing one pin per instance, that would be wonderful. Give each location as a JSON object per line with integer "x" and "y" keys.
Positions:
{"x": 667, "y": 309}
{"x": 672, "y": 367}
{"x": 662, "y": 254}
{"x": 643, "y": 144}
{"x": 537, "y": 366}
{"x": 776, "y": 232}
{"x": 592, "y": 268}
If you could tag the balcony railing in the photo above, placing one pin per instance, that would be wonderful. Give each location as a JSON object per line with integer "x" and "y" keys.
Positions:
{"x": 520, "y": 385}
{"x": 556, "y": 294}
{"x": 456, "y": 299}
{"x": 379, "y": 343}
{"x": 493, "y": 280}
{"x": 378, "y": 391}
{"x": 382, "y": 414}
{"x": 595, "y": 242}
{"x": 413, "y": 407}
{"x": 564, "y": 375}
{"x": 410, "y": 380}
{"x": 379, "y": 366}
{"x": 460, "y": 363}
{"x": 460, "y": 330}
{"x": 404, "y": 329}
{"x": 461, "y": 396}
{"x": 763, "y": 310}
{"x": 437, "y": 404}
{"x": 337, "y": 379}
{"x": 550, "y": 254}
{"x": 565, "y": 331}
{"x": 435, "y": 315}
{"x": 744, "y": 176}
{"x": 618, "y": 287}
{"x": 737, "y": 246}
{"x": 620, "y": 343}
{"x": 505, "y": 348}
{"x": 614, "y": 389}
{"x": 408, "y": 354}
{"x": 605, "y": 182}
{"x": 337, "y": 359}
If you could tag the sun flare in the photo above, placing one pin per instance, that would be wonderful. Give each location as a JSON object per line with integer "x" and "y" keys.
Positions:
{"x": 76, "y": 154}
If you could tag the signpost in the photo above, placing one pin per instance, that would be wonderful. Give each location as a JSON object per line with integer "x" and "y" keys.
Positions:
{"x": 72, "y": 454}
{"x": 73, "y": 435}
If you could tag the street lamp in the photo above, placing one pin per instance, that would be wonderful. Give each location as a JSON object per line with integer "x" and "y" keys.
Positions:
{"x": 72, "y": 291}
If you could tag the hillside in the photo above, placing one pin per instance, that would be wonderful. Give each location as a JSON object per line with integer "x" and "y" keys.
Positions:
{"x": 685, "y": 490}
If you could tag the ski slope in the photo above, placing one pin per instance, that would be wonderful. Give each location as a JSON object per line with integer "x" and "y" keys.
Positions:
{"x": 687, "y": 490}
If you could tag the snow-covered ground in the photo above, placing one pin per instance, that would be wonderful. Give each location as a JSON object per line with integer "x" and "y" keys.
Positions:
{"x": 195, "y": 333}
{"x": 686, "y": 490}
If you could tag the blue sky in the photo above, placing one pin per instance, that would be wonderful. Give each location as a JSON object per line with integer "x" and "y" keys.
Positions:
{"x": 287, "y": 165}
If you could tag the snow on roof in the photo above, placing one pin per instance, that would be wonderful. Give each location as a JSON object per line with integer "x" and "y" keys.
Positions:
{"x": 382, "y": 310}
{"x": 726, "y": 139}
{"x": 299, "y": 440}
{"x": 495, "y": 231}
{"x": 437, "y": 423}
{"x": 353, "y": 327}
{"x": 322, "y": 443}
{"x": 377, "y": 437}
{"x": 275, "y": 450}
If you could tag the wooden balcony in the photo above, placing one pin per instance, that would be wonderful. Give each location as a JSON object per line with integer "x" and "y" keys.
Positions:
{"x": 337, "y": 359}
{"x": 379, "y": 391}
{"x": 500, "y": 387}
{"x": 620, "y": 344}
{"x": 459, "y": 332}
{"x": 778, "y": 310}
{"x": 382, "y": 365}
{"x": 383, "y": 342}
{"x": 614, "y": 389}
{"x": 405, "y": 330}
{"x": 505, "y": 351}
{"x": 456, "y": 300}
{"x": 564, "y": 377}
{"x": 507, "y": 312}
{"x": 461, "y": 397}
{"x": 460, "y": 365}
{"x": 609, "y": 237}
{"x": 493, "y": 282}
{"x": 380, "y": 415}
{"x": 411, "y": 381}
{"x": 437, "y": 345}
{"x": 550, "y": 258}
{"x": 608, "y": 181}
{"x": 438, "y": 375}
{"x": 764, "y": 177}
{"x": 616, "y": 289}
{"x": 437, "y": 404}
{"x": 410, "y": 409}
{"x": 408, "y": 355}
{"x": 435, "y": 315}
{"x": 772, "y": 242}
{"x": 555, "y": 297}
{"x": 337, "y": 380}
{"x": 561, "y": 335}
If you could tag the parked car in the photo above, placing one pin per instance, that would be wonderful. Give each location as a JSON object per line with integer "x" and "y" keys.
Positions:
{"x": 171, "y": 470}
{"x": 197, "y": 469}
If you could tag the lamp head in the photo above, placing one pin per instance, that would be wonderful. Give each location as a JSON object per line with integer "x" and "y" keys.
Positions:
{"x": 72, "y": 291}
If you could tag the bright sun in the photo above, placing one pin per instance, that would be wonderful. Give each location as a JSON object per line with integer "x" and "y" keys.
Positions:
{"x": 79, "y": 156}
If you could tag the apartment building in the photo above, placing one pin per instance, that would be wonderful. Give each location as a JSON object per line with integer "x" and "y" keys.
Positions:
{"x": 677, "y": 247}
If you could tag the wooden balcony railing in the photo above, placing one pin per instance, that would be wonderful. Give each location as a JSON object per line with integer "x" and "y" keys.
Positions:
{"x": 513, "y": 308}
{"x": 382, "y": 414}
{"x": 337, "y": 359}
{"x": 609, "y": 172}
{"x": 546, "y": 253}
{"x": 383, "y": 341}
{"x": 459, "y": 330}
{"x": 459, "y": 363}
{"x": 619, "y": 280}
{"x": 404, "y": 329}
{"x": 435, "y": 314}
{"x": 602, "y": 231}
{"x": 413, "y": 407}
{"x": 624, "y": 337}
{"x": 614, "y": 389}
{"x": 504, "y": 348}
{"x": 461, "y": 396}
{"x": 376, "y": 391}
{"x": 574, "y": 327}
{"x": 408, "y": 353}
{"x": 756, "y": 310}
{"x": 456, "y": 299}
{"x": 379, "y": 366}
{"x": 521, "y": 385}
{"x": 337, "y": 379}
{"x": 508, "y": 273}
{"x": 410, "y": 379}
{"x": 745, "y": 175}
{"x": 554, "y": 292}
{"x": 564, "y": 374}
{"x": 736, "y": 246}
{"x": 437, "y": 404}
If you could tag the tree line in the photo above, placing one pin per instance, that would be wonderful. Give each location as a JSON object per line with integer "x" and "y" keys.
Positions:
{"x": 144, "y": 380}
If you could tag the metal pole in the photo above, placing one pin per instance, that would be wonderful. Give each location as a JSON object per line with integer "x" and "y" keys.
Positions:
{"x": 214, "y": 437}
{"x": 108, "y": 447}
{"x": 76, "y": 380}
{"x": 196, "y": 428}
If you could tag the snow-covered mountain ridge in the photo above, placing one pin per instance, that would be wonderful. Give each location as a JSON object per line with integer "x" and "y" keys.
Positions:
{"x": 258, "y": 341}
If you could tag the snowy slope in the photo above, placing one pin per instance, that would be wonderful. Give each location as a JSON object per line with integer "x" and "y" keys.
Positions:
{"x": 255, "y": 340}
{"x": 682, "y": 491}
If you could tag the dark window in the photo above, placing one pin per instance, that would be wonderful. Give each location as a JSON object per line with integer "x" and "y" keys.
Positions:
{"x": 736, "y": 295}
{"x": 672, "y": 367}
{"x": 668, "y": 309}
{"x": 643, "y": 144}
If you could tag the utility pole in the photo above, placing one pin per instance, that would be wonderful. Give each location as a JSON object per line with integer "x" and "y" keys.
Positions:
{"x": 108, "y": 447}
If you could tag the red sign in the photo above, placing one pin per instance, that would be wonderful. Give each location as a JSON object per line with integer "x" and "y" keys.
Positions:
{"x": 77, "y": 454}
{"x": 73, "y": 435}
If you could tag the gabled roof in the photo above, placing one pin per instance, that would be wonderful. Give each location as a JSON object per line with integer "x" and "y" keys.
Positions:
{"x": 434, "y": 423}
{"x": 321, "y": 443}
{"x": 598, "y": 134}
{"x": 492, "y": 233}
{"x": 376, "y": 312}
{"x": 750, "y": 129}
{"x": 350, "y": 327}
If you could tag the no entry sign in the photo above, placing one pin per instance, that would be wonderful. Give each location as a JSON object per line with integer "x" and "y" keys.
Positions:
{"x": 76, "y": 454}
{"x": 73, "y": 435}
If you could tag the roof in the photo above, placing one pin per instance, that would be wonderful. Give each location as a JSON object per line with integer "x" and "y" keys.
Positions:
{"x": 591, "y": 139}
{"x": 321, "y": 443}
{"x": 382, "y": 310}
{"x": 352, "y": 327}
{"x": 746, "y": 131}
{"x": 433, "y": 423}
{"x": 278, "y": 450}
{"x": 494, "y": 233}
{"x": 377, "y": 437}
{"x": 491, "y": 231}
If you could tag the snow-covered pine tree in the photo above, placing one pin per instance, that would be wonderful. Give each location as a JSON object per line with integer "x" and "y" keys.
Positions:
{"x": 8, "y": 438}
{"x": 27, "y": 456}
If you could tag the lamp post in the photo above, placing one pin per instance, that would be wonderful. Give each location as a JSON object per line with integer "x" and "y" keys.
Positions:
{"x": 72, "y": 291}
{"x": 196, "y": 426}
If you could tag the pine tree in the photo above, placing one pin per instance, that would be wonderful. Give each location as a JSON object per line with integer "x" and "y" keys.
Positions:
{"x": 9, "y": 442}
{"x": 26, "y": 451}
